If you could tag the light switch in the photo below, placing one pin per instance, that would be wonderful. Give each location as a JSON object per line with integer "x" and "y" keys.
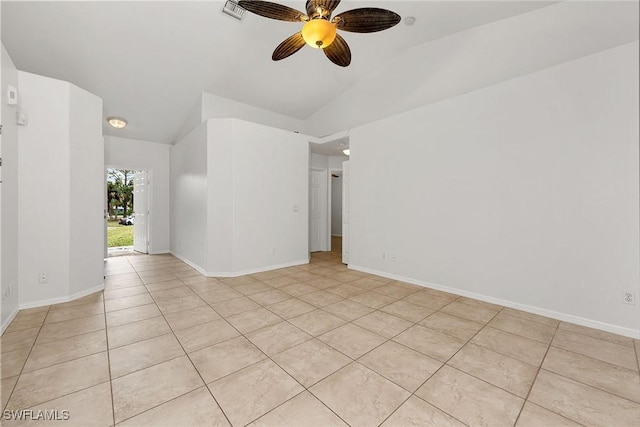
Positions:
{"x": 295, "y": 208}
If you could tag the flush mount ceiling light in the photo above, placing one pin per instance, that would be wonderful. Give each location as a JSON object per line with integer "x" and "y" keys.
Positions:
{"x": 346, "y": 151}
{"x": 319, "y": 30}
{"x": 117, "y": 122}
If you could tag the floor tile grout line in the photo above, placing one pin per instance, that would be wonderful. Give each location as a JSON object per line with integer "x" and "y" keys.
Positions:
{"x": 192, "y": 364}
{"x": 567, "y": 331}
{"x": 637, "y": 403}
{"x": 106, "y": 333}
{"x": 614, "y": 365}
{"x": 274, "y": 362}
{"x": 25, "y": 361}
{"x": 446, "y": 364}
{"x": 635, "y": 346}
{"x": 535, "y": 378}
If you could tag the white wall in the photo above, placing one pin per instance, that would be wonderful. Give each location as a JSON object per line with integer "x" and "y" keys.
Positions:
{"x": 335, "y": 162}
{"x": 336, "y": 205}
{"x": 318, "y": 161}
{"x": 234, "y": 187}
{"x": 270, "y": 189}
{"x": 86, "y": 180}
{"x": 478, "y": 57}
{"x": 44, "y": 178}
{"x": 9, "y": 200}
{"x": 220, "y": 197}
{"x": 154, "y": 158}
{"x": 60, "y": 158}
{"x": 217, "y": 107}
{"x": 525, "y": 192}
{"x": 189, "y": 197}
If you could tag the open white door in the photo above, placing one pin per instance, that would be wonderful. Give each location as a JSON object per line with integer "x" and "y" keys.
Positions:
{"x": 141, "y": 212}
{"x": 318, "y": 211}
{"x": 346, "y": 177}
{"x": 106, "y": 214}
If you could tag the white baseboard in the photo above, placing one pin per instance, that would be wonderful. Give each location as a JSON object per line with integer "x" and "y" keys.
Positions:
{"x": 189, "y": 263}
{"x": 8, "y": 321}
{"x": 620, "y": 330}
{"x": 237, "y": 273}
{"x": 59, "y": 300}
{"x": 160, "y": 252}
{"x": 256, "y": 270}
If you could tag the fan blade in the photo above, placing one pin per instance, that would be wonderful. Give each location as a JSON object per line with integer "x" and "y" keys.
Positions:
{"x": 328, "y": 5}
{"x": 366, "y": 20}
{"x": 272, "y": 10}
{"x": 338, "y": 52}
{"x": 288, "y": 47}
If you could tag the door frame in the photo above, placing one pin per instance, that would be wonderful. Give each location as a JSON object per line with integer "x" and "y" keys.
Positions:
{"x": 325, "y": 241}
{"x": 330, "y": 204}
{"x": 150, "y": 181}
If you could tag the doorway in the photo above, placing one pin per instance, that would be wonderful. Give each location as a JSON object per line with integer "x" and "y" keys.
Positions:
{"x": 126, "y": 212}
{"x": 318, "y": 231}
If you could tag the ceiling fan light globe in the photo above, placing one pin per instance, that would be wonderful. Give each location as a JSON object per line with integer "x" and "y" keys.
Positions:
{"x": 319, "y": 33}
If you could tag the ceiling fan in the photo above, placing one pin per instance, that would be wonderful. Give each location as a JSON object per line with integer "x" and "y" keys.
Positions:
{"x": 319, "y": 29}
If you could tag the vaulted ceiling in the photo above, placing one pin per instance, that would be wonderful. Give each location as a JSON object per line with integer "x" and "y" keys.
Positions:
{"x": 150, "y": 60}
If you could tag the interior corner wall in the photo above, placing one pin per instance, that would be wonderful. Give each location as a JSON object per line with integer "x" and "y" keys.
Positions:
{"x": 44, "y": 198}
{"x": 217, "y": 107}
{"x": 524, "y": 193}
{"x": 193, "y": 119}
{"x": 270, "y": 197}
{"x": 9, "y": 214}
{"x": 189, "y": 197}
{"x": 86, "y": 202}
{"x": 220, "y": 140}
{"x": 61, "y": 195}
{"x": 152, "y": 157}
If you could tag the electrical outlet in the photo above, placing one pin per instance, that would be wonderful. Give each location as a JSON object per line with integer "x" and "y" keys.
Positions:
{"x": 43, "y": 278}
{"x": 394, "y": 258}
{"x": 384, "y": 256}
{"x": 6, "y": 293}
{"x": 628, "y": 297}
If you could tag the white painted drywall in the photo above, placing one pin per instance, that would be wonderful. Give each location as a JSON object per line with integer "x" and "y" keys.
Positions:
{"x": 319, "y": 161}
{"x": 220, "y": 197}
{"x": 189, "y": 197}
{"x": 9, "y": 216}
{"x": 336, "y": 205}
{"x": 261, "y": 190}
{"x": 478, "y": 57}
{"x": 61, "y": 191}
{"x": 215, "y": 107}
{"x": 335, "y": 162}
{"x": 524, "y": 192}
{"x": 154, "y": 158}
{"x": 44, "y": 197}
{"x": 86, "y": 180}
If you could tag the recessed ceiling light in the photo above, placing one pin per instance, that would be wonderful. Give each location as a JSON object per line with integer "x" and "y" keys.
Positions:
{"x": 410, "y": 20}
{"x": 346, "y": 151}
{"x": 117, "y": 122}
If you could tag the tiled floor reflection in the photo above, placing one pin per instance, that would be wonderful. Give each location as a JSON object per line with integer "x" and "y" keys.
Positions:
{"x": 312, "y": 345}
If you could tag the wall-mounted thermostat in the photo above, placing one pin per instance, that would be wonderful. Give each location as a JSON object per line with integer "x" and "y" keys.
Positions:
{"x": 12, "y": 95}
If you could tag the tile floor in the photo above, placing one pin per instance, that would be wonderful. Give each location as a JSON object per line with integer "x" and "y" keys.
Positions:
{"x": 312, "y": 345}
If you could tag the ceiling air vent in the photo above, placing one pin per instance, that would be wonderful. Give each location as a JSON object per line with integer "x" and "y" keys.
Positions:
{"x": 232, "y": 9}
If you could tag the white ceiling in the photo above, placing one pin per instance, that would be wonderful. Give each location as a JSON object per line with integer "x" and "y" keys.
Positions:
{"x": 149, "y": 61}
